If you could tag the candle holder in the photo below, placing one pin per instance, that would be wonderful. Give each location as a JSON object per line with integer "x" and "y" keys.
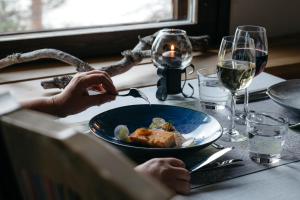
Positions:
{"x": 172, "y": 55}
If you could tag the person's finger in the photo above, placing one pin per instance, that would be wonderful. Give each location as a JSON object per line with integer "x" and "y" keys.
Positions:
{"x": 99, "y": 99}
{"x": 97, "y": 72}
{"x": 92, "y": 72}
{"x": 97, "y": 88}
{"x": 107, "y": 76}
{"x": 178, "y": 173}
{"x": 84, "y": 75}
{"x": 175, "y": 162}
{"x": 183, "y": 174}
{"x": 180, "y": 186}
{"x": 97, "y": 79}
{"x": 177, "y": 181}
{"x": 100, "y": 72}
{"x": 80, "y": 75}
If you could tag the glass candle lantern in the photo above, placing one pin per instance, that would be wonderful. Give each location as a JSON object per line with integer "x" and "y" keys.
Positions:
{"x": 171, "y": 53}
{"x": 172, "y": 48}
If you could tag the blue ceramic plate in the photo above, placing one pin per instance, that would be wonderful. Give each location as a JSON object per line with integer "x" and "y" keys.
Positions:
{"x": 204, "y": 128}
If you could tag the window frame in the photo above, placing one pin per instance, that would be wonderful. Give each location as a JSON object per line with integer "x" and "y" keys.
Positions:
{"x": 209, "y": 17}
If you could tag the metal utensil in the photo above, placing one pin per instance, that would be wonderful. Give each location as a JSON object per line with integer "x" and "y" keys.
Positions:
{"x": 224, "y": 163}
{"x": 134, "y": 92}
{"x": 254, "y": 96}
{"x": 294, "y": 126}
{"x": 210, "y": 159}
{"x": 217, "y": 146}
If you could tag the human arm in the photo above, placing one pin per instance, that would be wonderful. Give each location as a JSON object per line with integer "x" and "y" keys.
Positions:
{"x": 170, "y": 171}
{"x": 75, "y": 98}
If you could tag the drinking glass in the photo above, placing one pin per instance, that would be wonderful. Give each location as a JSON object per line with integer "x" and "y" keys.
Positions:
{"x": 212, "y": 95}
{"x": 266, "y": 132}
{"x": 235, "y": 69}
{"x": 259, "y": 35}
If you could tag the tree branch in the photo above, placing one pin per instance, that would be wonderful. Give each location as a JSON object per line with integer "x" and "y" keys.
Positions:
{"x": 130, "y": 58}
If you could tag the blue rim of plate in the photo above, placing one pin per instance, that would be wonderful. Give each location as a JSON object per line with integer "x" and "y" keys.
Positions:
{"x": 129, "y": 146}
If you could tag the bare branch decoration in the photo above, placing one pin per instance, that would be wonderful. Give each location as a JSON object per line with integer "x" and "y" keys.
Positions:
{"x": 45, "y": 53}
{"x": 130, "y": 58}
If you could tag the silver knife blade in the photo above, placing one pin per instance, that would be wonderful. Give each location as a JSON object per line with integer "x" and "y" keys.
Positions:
{"x": 210, "y": 159}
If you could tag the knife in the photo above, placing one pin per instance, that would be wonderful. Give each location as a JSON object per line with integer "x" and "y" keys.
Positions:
{"x": 210, "y": 159}
{"x": 253, "y": 96}
{"x": 295, "y": 126}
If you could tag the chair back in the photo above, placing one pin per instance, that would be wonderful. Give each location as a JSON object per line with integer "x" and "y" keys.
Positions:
{"x": 53, "y": 161}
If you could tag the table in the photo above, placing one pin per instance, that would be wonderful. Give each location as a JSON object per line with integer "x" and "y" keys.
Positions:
{"x": 280, "y": 183}
{"x": 277, "y": 183}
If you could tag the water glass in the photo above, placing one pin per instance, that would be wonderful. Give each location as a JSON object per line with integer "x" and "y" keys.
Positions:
{"x": 212, "y": 94}
{"x": 266, "y": 132}
{"x": 213, "y": 97}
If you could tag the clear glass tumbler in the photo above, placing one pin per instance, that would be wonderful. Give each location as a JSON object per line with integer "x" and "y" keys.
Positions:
{"x": 214, "y": 99}
{"x": 266, "y": 132}
{"x": 212, "y": 94}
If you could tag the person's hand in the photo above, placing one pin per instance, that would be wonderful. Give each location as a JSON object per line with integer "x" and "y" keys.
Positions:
{"x": 75, "y": 97}
{"x": 169, "y": 171}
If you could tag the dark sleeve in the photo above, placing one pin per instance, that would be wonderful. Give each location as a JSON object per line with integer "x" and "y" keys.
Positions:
{"x": 8, "y": 185}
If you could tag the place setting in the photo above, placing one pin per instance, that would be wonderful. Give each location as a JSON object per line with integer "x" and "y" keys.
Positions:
{"x": 216, "y": 141}
{"x": 263, "y": 139}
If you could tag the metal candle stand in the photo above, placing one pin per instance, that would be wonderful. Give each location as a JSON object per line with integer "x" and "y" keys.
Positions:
{"x": 170, "y": 81}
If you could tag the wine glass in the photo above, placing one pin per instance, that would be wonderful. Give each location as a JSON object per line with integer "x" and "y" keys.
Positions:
{"x": 259, "y": 35}
{"x": 235, "y": 69}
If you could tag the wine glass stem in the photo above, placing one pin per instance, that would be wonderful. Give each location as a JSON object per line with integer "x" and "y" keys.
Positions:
{"x": 246, "y": 105}
{"x": 233, "y": 102}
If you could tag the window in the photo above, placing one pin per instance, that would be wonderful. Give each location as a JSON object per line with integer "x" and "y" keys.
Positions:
{"x": 99, "y": 27}
{"x": 44, "y": 15}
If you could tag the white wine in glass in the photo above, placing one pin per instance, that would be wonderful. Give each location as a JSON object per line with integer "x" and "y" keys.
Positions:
{"x": 235, "y": 74}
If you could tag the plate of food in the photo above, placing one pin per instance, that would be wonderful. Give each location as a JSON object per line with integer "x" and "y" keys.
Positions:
{"x": 286, "y": 94}
{"x": 156, "y": 129}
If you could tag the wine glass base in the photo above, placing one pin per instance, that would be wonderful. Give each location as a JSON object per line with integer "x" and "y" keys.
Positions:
{"x": 233, "y": 136}
{"x": 240, "y": 118}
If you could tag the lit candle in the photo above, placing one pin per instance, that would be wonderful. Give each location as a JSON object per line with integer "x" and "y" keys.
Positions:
{"x": 172, "y": 52}
{"x": 171, "y": 58}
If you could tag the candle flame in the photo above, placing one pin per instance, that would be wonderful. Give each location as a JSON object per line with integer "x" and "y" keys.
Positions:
{"x": 172, "y": 47}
